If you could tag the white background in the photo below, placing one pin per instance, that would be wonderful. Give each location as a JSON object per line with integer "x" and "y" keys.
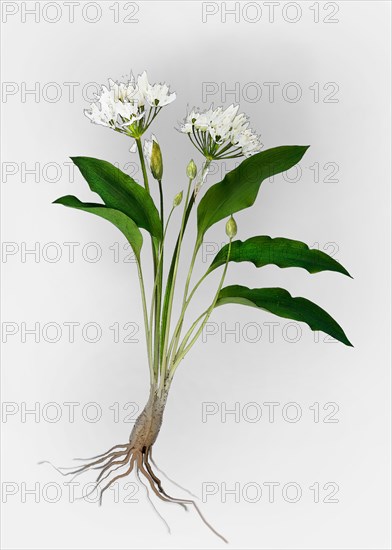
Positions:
{"x": 347, "y": 47}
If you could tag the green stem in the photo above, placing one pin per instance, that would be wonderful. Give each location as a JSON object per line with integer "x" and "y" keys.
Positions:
{"x": 155, "y": 294}
{"x": 169, "y": 282}
{"x": 160, "y": 258}
{"x": 177, "y": 330}
{"x": 178, "y": 358}
{"x": 146, "y": 324}
{"x": 158, "y": 287}
{"x": 185, "y": 301}
{"x": 159, "y": 271}
{"x": 196, "y": 287}
{"x": 188, "y": 334}
{"x": 161, "y": 201}
{"x": 173, "y": 282}
{"x": 142, "y": 164}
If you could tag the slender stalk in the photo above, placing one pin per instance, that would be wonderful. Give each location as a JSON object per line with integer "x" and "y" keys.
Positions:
{"x": 171, "y": 293}
{"x": 142, "y": 164}
{"x": 155, "y": 294}
{"x": 185, "y": 350}
{"x": 189, "y": 333}
{"x": 146, "y": 324}
{"x": 159, "y": 271}
{"x": 196, "y": 287}
{"x": 161, "y": 201}
{"x": 160, "y": 257}
{"x": 158, "y": 287}
{"x": 188, "y": 301}
{"x": 177, "y": 330}
{"x": 169, "y": 282}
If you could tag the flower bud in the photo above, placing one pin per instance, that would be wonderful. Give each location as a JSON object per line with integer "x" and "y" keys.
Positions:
{"x": 153, "y": 155}
{"x": 191, "y": 170}
{"x": 231, "y": 228}
{"x": 177, "y": 199}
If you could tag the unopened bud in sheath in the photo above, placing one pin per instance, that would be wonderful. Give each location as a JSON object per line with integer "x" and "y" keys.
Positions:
{"x": 231, "y": 228}
{"x": 153, "y": 155}
{"x": 191, "y": 170}
{"x": 177, "y": 199}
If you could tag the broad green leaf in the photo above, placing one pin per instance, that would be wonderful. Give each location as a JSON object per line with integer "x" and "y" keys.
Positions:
{"x": 280, "y": 302}
{"x": 121, "y": 192}
{"x": 117, "y": 218}
{"x": 239, "y": 188}
{"x": 282, "y": 252}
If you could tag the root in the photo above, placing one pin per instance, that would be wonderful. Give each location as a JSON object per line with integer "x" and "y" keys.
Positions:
{"x": 132, "y": 458}
{"x": 103, "y": 454}
{"x": 157, "y": 481}
{"x": 151, "y": 502}
{"x": 169, "y": 478}
{"x": 184, "y": 502}
{"x": 116, "y": 478}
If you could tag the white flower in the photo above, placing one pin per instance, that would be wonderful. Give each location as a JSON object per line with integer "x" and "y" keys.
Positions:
{"x": 113, "y": 108}
{"x": 158, "y": 95}
{"x": 129, "y": 107}
{"x": 140, "y": 89}
{"x": 221, "y": 134}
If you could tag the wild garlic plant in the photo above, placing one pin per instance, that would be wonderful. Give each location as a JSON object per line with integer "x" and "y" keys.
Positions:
{"x": 217, "y": 134}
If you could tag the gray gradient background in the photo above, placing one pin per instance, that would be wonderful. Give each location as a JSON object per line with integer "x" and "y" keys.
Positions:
{"x": 173, "y": 44}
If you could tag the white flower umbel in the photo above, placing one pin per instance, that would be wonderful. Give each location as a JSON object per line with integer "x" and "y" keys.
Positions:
{"x": 129, "y": 107}
{"x": 221, "y": 134}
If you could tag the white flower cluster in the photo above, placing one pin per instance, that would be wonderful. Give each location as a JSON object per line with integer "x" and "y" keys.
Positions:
{"x": 129, "y": 107}
{"x": 221, "y": 134}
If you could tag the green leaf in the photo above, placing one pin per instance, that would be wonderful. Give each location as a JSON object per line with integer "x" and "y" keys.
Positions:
{"x": 282, "y": 252}
{"x": 117, "y": 218}
{"x": 239, "y": 188}
{"x": 121, "y": 192}
{"x": 281, "y": 303}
